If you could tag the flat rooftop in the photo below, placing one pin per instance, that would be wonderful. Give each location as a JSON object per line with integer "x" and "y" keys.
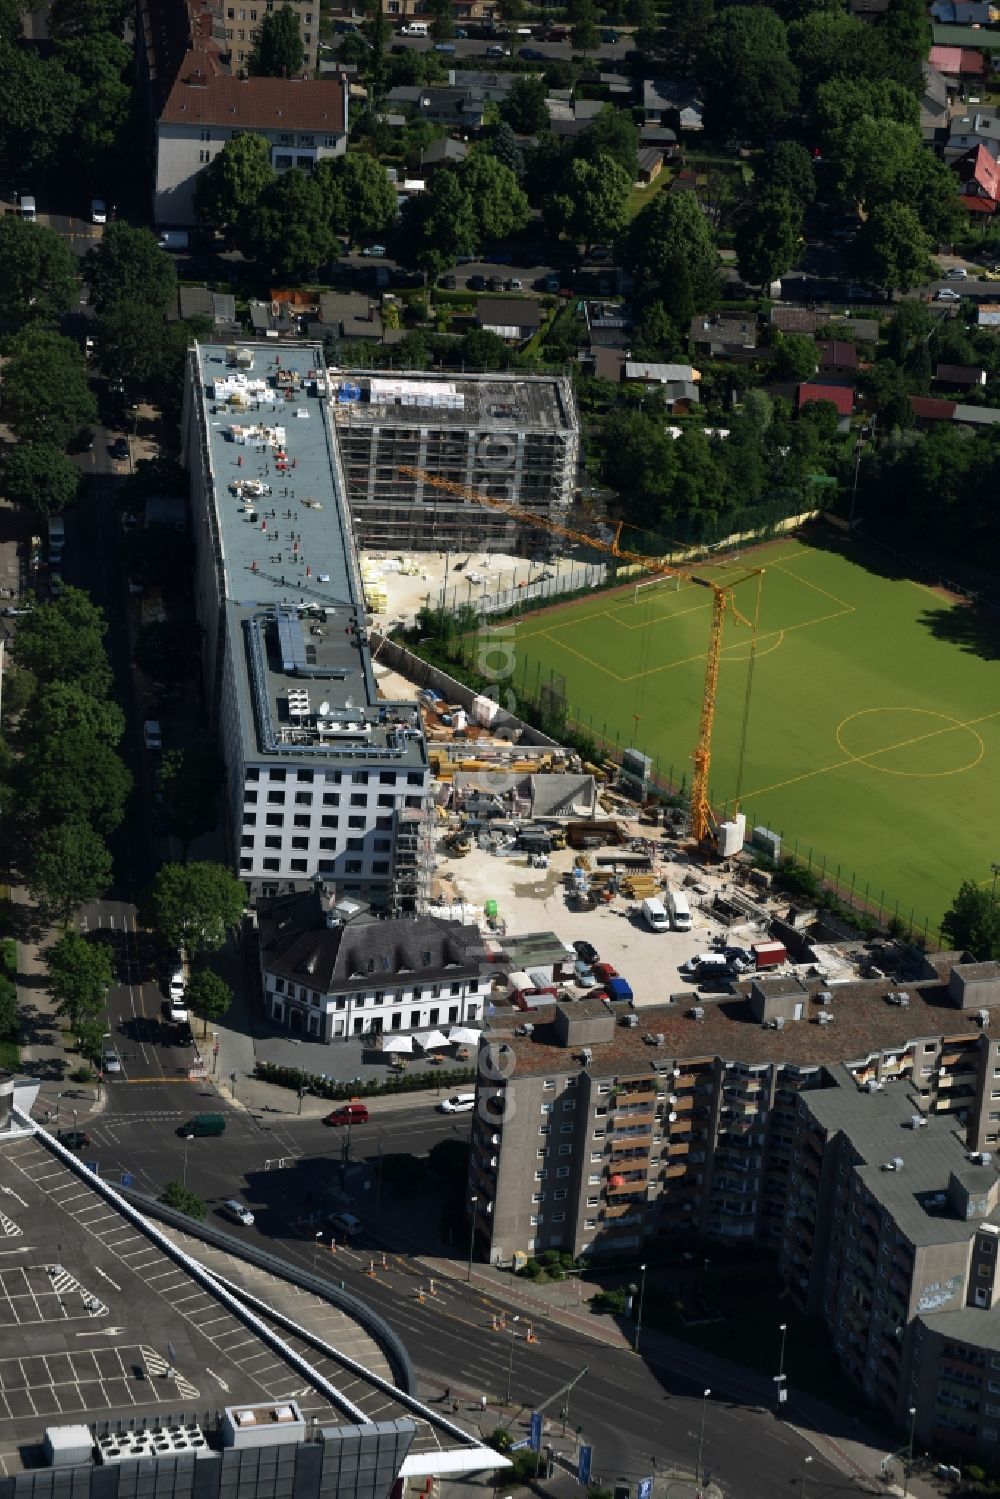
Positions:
{"x": 879, "y": 1127}
{"x": 295, "y": 606}
{"x": 100, "y": 1321}
{"x": 529, "y": 403}
{"x": 863, "y": 1023}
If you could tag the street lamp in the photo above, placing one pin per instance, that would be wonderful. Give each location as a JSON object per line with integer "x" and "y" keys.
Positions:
{"x": 638, "y": 1317}
{"x": 909, "y": 1462}
{"x": 699, "y": 1471}
{"x": 510, "y": 1356}
{"x": 317, "y": 1238}
{"x": 472, "y": 1235}
{"x": 187, "y": 1142}
{"x": 780, "y": 1380}
{"x": 805, "y": 1468}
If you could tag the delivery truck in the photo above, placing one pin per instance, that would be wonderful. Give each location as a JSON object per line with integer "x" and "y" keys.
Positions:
{"x": 679, "y": 911}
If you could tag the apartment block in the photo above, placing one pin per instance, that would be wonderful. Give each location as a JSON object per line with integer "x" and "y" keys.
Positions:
{"x": 892, "y": 1236}
{"x": 514, "y": 439}
{"x": 324, "y": 778}
{"x": 797, "y": 1117}
{"x": 241, "y": 23}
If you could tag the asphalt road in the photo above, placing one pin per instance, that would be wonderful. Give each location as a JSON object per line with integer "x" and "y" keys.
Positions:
{"x": 608, "y": 52}
{"x": 630, "y": 1408}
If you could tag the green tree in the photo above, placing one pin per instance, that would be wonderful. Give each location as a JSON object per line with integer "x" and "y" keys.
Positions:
{"x": 442, "y": 23}
{"x": 9, "y": 1015}
{"x": 70, "y": 865}
{"x": 750, "y": 84}
{"x": 440, "y": 224}
{"x": 69, "y": 19}
{"x": 832, "y": 44}
{"x": 787, "y": 165}
{"x": 194, "y": 905}
{"x": 130, "y": 343}
{"x": 209, "y": 996}
{"x": 499, "y": 204}
{"x": 613, "y": 133}
{"x": 230, "y": 187}
{"x": 688, "y": 26}
{"x": 655, "y": 337}
{"x": 671, "y": 253}
{"x": 46, "y": 396}
{"x": 592, "y": 204}
{"x": 37, "y": 110}
{"x": 908, "y": 40}
{"x": 377, "y": 33}
{"x": 129, "y": 266}
{"x": 67, "y": 707}
{"x": 289, "y": 235}
{"x": 584, "y": 33}
{"x": 11, "y": 12}
{"x": 278, "y": 52}
{"x": 40, "y": 477}
{"x": 40, "y": 280}
{"x": 891, "y": 249}
{"x": 360, "y": 198}
{"x": 640, "y": 463}
{"x": 795, "y": 357}
{"x": 100, "y": 64}
{"x": 502, "y": 143}
{"x": 63, "y": 641}
{"x": 972, "y": 921}
{"x": 524, "y": 107}
{"x": 840, "y": 102}
{"x": 191, "y": 780}
{"x": 168, "y": 651}
{"x": 643, "y": 16}
{"x": 182, "y": 1200}
{"x": 768, "y": 236}
{"x": 80, "y": 975}
{"x": 73, "y": 778}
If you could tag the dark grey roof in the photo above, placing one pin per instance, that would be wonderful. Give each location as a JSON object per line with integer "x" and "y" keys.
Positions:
{"x": 508, "y": 312}
{"x": 442, "y": 151}
{"x": 296, "y": 941}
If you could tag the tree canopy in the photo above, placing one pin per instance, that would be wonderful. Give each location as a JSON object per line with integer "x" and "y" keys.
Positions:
{"x": 499, "y": 204}
{"x": 40, "y": 274}
{"x": 46, "y": 396}
{"x": 278, "y": 52}
{"x": 289, "y": 234}
{"x": 360, "y": 198}
{"x": 129, "y": 266}
{"x": 972, "y": 921}
{"x": 749, "y": 80}
{"x": 194, "y": 906}
{"x": 70, "y": 865}
{"x": 591, "y": 205}
{"x": 230, "y": 187}
{"x": 63, "y": 641}
{"x": 671, "y": 252}
{"x": 80, "y": 975}
{"x": 40, "y": 477}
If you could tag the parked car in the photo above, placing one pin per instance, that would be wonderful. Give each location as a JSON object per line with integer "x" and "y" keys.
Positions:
{"x": 495, "y": 50}
{"x": 605, "y": 971}
{"x": 531, "y": 54}
{"x": 610, "y": 38}
{"x": 476, "y": 283}
{"x": 98, "y": 211}
{"x": 448, "y": 282}
{"x": 956, "y": 273}
{"x": 947, "y": 294}
{"x": 237, "y": 1212}
{"x": 345, "y": 1224}
{"x": 120, "y": 450}
{"x": 374, "y": 250}
{"x": 111, "y": 1061}
{"x": 73, "y": 1139}
{"x": 151, "y": 734}
{"x": 444, "y": 46}
{"x": 348, "y": 1113}
{"x": 459, "y": 1103}
{"x": 586, "y": 951}
{"x": 583, "y": 976}
{"x": 552, "y": 283}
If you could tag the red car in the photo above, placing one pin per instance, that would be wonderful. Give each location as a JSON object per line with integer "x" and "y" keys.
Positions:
{"x": 605, "y": 971}
{"x": 349, "y": 1113}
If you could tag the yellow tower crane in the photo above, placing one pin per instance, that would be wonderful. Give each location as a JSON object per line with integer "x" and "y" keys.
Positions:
{"x": 723, "y": 598}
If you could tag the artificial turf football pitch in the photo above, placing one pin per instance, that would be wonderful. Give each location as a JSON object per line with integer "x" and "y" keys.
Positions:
{"x": 873, "y": 738}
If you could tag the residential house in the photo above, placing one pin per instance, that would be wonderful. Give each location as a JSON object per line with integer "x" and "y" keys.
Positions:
{"x": 809, "y": 320}
{"x": 869, "y": 10}
{"x": 988, "y": 315}
{"x": 512, "y": 318}
{"x": 677, "y": 382}
{"x": 672, "y": 101}
{"x": 985, "y": 39}
{"x": 962, "y": 12}
{"x": 956, "y": 376}
{"x": 461, "y": 10}
{"x": 663, "y": 138}
{"x": 932, "y": 409}
{"x": 303, "y": 120}
{"x": 442, "y": 153}
{"x": 241, "y": 27}
{"x": 837, "y": 358}
{"x": 724, "y": 335}
{"x": 840, "y": 396}
{"x": 933, "y": 105}
{"x": 649, "y": 165}
{"x": 354, "y": 316}
{"x": 978, "y": 173}
{"x": 958, "y": 62}
{"x": 330, "y": 972}
{"x": 459, "y": 107}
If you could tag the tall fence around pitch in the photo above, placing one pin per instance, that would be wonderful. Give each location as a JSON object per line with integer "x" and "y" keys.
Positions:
{"x": 518, "y": 586}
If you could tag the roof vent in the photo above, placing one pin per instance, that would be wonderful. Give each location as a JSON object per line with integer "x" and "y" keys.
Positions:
{"x": 586, "y": 1056}
{"x": 823, "y": 1018}
{"x": 984, "y": 1018}
{"x": 917, "y": 1121}
{"x": 824, "y": 997}
{"x": 697, "y": 1012}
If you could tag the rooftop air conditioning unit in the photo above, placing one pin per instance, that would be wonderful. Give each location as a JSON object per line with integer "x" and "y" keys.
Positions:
{"x": 824, "y": 1018}
{"x": 697, "y": 1013}
{"x": 824, "y": 997}
{"x": 984, "y": 1018}
{"x": 917, "y": 1121}
{"x": 586, "y": 1056}
{"x": 897, "y": 1163}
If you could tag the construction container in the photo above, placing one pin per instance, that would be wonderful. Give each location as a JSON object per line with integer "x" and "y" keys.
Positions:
{"x": 768, "y": 954}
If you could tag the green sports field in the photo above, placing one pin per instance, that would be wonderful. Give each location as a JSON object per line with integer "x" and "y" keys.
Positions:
{"x": 874, "y": 727}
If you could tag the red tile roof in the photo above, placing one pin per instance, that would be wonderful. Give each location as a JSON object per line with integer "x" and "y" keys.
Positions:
{"x": 840, "y": 396}
{"x": 200, "y": 97}
{"x": 836, "y": 354}
{"x": 932, "y": 408}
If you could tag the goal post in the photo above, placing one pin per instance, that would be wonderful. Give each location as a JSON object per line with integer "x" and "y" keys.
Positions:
{"x": 670, "y": 582}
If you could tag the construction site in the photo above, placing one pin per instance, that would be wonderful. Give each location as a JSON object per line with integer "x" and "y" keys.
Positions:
{"x": 511, "y": 438}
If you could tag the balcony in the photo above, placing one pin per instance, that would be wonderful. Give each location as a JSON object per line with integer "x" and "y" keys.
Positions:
{"x": 672, "y": 1172}
{"x": 636, "y": 1096}
{"x": 626, "y": 1188}
{"x": 631, "y": 1142}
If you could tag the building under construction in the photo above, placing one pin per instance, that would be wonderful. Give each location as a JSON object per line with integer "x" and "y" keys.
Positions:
{"x": 509, "y": 437}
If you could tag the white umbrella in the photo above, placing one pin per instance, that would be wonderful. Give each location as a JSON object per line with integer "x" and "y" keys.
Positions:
{"x": 433, "y": 1040}
{"x": 462, "y": 1035}
{"x": 397, "y": 1043}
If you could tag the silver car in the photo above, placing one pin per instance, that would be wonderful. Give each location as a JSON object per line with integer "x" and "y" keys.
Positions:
{"x": 111, "y": 1061}
{"x": 238, "y": 1212}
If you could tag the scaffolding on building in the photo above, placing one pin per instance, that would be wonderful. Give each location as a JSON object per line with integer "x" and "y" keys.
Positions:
{"x": 414, "y": 863}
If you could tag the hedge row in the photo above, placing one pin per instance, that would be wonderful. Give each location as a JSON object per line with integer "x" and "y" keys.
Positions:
{"x": 342, "y": 1088}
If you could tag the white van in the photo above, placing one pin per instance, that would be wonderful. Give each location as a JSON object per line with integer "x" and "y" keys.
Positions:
{"x": 655, "y": 915}
{"x": 26, "y": 206}
{"x": 704, "y": 961}
{"x": 415, "y": 28}
{"x": 680, "y": 911}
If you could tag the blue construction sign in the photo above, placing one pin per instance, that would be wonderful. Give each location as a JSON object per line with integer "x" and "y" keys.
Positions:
{"x": 126, "y": 1178}
{"x": 644, "y": 1489}
{"x": 535, "y": 1442}
{"x": 584, "y": 1463}
{"x": 519, "y": 1446}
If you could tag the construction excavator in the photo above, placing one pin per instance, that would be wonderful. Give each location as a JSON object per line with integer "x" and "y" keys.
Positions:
{"x": 703, "y": 819}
